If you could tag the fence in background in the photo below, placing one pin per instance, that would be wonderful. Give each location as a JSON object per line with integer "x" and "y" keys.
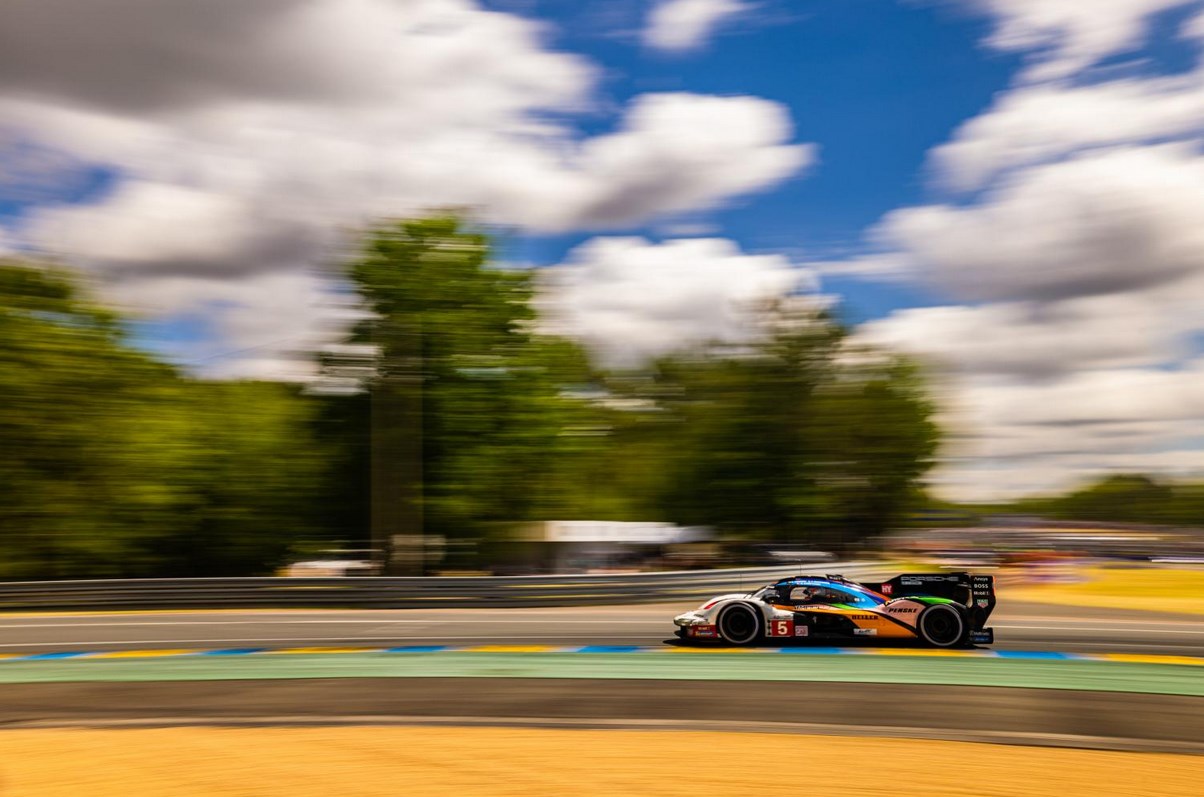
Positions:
{"x": 405, "y": 593}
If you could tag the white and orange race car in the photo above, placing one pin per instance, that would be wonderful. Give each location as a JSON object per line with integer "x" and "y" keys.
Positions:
{"x": 944, "y": 610}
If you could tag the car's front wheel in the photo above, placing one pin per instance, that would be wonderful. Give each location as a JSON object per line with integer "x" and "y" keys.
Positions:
{"x": 943, "y": 626}
{"x": 739, "y": 624}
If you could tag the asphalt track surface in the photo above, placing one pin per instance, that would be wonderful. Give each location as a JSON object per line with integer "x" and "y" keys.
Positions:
{"x": 1058, "y": 717}
{"x": 1062, "y": 718}
{"x": 1018, "y": 627}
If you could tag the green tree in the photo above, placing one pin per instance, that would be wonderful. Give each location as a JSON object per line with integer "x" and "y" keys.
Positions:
{"x": 467, "y": 400}
{"x": 247, "y": 490}
{"x": 480, "y": 422}
{"x": 73, "y": 497}
{"x": 115, "y": 464}
{"x": 1122, "y": 498}
{"x": 789, "y": 438}
{"x": 872, "y": 440}
{"x": 1126, "y": 497}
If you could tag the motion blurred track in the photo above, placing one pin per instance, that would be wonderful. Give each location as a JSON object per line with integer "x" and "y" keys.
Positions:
{"x": 1064, "y": 718}
{"x": 1018, "y": 627}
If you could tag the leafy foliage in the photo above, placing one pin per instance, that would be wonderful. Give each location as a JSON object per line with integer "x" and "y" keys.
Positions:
{"x": 790, "y": 438}
{"x": 1123, "y": 498}
{"x": 117, "y": 465}
{"x": 462, "y": 371}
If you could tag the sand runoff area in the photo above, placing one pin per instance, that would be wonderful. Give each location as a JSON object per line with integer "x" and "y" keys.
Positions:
{"x": 415, "y": 761}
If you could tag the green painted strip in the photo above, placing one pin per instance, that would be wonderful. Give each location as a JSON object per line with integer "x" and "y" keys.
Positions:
{"x": 1106, "y": 676}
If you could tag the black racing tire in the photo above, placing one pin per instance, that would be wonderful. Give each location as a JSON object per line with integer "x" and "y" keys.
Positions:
{"x": 739, "y": 624}
{"x": 944, "y": 625}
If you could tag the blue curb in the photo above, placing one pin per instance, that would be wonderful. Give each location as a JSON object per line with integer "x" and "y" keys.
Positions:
{"x": 418, "y": 649}
{"x": 610, "y": 649}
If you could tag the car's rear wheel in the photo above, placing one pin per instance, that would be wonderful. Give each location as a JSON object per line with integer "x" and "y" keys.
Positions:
{"x": 739, "y": 624}
{"x": 943, "y": 626}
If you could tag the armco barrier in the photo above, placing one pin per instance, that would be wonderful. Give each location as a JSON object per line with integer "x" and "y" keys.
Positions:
{"x": 403, "y": 593}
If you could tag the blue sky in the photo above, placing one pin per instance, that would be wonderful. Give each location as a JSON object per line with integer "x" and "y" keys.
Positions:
{"x": 1011, "y": 191}
{"x": 875, "y": 83}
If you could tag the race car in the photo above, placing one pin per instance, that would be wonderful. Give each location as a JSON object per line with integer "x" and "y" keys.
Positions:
{"x": 944, "y": 610}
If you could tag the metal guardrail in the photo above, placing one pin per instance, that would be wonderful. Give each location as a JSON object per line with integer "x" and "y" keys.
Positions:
{"x": 404, "y": 593}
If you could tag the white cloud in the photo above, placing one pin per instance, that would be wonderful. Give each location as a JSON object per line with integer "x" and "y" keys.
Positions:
{"x": 679, "y": 25}
{"x": 1040, "y": 123}
{"x": 1033, "y": 340}
{"x": 981, "y": 479}
{"x": 1021, "y": 438}
{"x": 262, "y": 325}
{"x": 1115, "y": 396}
{"x": 248, "y": 136}
{"x": 1066, "y": 36}
{"x": 155, "y": 229}
{"x": 1194, "y": 28}
{"x": 1117, "y": 221}
{"x": 630, "y": 299}
{"x": 1085, "y": 287}
{"x": 443, "y": 57}
{"x": 676, "y": 152}
{"x": 1078, "y": 271}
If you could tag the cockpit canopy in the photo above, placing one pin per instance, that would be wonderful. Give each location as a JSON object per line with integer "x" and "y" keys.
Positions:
{"x": 814, "y": 591}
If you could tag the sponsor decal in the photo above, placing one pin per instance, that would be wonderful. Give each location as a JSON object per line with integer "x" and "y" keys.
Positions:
{"x": 903, "y": 609}
{"x": 865, "y": 617}
{"x": 702, "y": 630}
{"x": 801, "y": 630}
{"x": 887, "y": 589}
{"x": 865, "y": 632}
{"x": 915, "y": 581}
{"x": 983, "y": 602}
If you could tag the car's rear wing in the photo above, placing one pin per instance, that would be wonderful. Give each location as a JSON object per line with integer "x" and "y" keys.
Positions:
{"x": 975, "y": 592}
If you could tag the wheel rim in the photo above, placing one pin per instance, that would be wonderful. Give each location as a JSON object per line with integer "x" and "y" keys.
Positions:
{"x": 943, "y": 626}
{"x": 739, "y": 625}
